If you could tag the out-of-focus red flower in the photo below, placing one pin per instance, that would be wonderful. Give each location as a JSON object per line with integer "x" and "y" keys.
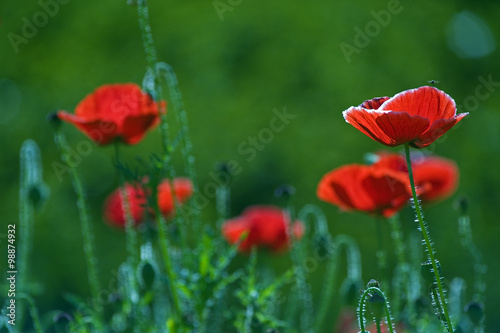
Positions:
{"x": 367, "y": 188}
{"x": 438, "y": 176}
{"x": 435, "y": 177}
{"x": 113, "y": 208}
{"x": 348, "y": 323}
{"x": 115, "y": 112}
{"x": 183, "y": 188}
{"x": 266, "y": 226}
{"x": 416, "y": 116}
{"x": 137, "y": 200}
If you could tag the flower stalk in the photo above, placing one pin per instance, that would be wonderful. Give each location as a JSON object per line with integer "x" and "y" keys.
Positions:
{"x": 369, "y": 292}
{"x": 86, "y": 224}
{"x": 441, "y": 300}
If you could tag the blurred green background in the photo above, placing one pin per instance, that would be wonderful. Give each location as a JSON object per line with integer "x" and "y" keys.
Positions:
{"x": 234, "y": 67}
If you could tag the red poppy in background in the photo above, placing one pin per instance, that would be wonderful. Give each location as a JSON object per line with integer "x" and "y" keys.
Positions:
{"x": 435, "y": 177}
{"x": 367, "y": 188}
{"x": 416, "y": 116}
{"x": 113, "y": 209}
{"x": 183, "y": 188}
{"x": 266, "y": 226}
{"x": 115, "y": 112}
{"x": 137, "y": 200}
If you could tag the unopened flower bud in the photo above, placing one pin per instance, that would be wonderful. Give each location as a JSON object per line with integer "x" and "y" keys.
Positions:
{"x": 475, "y": 312}
{"x": 376, "y": 304}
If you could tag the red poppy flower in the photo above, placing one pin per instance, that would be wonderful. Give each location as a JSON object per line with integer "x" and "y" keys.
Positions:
{"x": 183, "y": 188}
{"x": 113, "y": 209}
{"x": 266, "y": 226}
{"x": 137, "y": 200}
{"x": 417, "y": 116}
{"x": 435, "y": 177}
{"x": 115, "y": 112}
{"x": 367, "y": 188}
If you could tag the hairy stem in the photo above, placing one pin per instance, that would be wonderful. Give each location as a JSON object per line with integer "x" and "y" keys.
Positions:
{"x": 86, "y": 224}
{"x": 428, "y": 244}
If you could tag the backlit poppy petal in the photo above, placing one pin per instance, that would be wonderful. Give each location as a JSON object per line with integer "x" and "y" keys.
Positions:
{"x": 366, "y": 121}
{"x": 373, "y": 104}
{"x": 417, "y": 116}
{"x": 436, "y": 130}
{"x": 401, "y": 127}
{"x": 427, "y": 102}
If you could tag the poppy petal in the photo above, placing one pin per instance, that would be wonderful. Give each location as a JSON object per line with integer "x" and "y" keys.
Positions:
{"x": 427, "y": 102}
{"x": 341, "y": 188}
{"x": 438, "y": 176}
{"x": 134, "y": 127}
{"x": 436, "y": 130}
{"x": 401, "y": 127}
{"x": 100, "y": 131}
{"x": 366, "y": 121}
{"x": 374, "y": 103}
{"x": 389, "y": 190}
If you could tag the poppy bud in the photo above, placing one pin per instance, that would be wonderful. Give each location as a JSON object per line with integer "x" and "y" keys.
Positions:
{"x": 475, "y": 312}
{"x": 54, "y": 120}
{"x": 373, "y": 283}
{"x": 349, "y": 290}
{"x": 376, "y": 304}
{"x": 147, "y": 274}
{"x": 324, "y": 246}
{"x": 284, "y": 191}
{"x": 462, "y": 205}
{"x": 38, "y": 194}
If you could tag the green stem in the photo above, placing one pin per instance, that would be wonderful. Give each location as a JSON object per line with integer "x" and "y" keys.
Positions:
{"x": 86, "y": 224}
{"x": 33, "y": 311}
{"x": 428, "y": 243}
{"x": 181, "y": 116}
{"x": 480, "y": 267}
{"x": 298, "y": 258}
{"x": 400, "y": 296}
{"x": 167, "y": 261}
{"x": 381, "y": 252}
{"x": 130, "y": 231}
{"x": 362, "y": 306}
{"x": 29, "y": 165}
{"x": 130, "y": 234}
{"x": 251, "y": 292}
{"x": 147, "y": 36}
{"x": 377, "y": 322}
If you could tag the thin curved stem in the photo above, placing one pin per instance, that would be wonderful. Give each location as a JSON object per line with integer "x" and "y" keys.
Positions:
{"x": 428, "y": 243}
{"x": 361, "y": 309}
{"x": 86, "y": 224}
